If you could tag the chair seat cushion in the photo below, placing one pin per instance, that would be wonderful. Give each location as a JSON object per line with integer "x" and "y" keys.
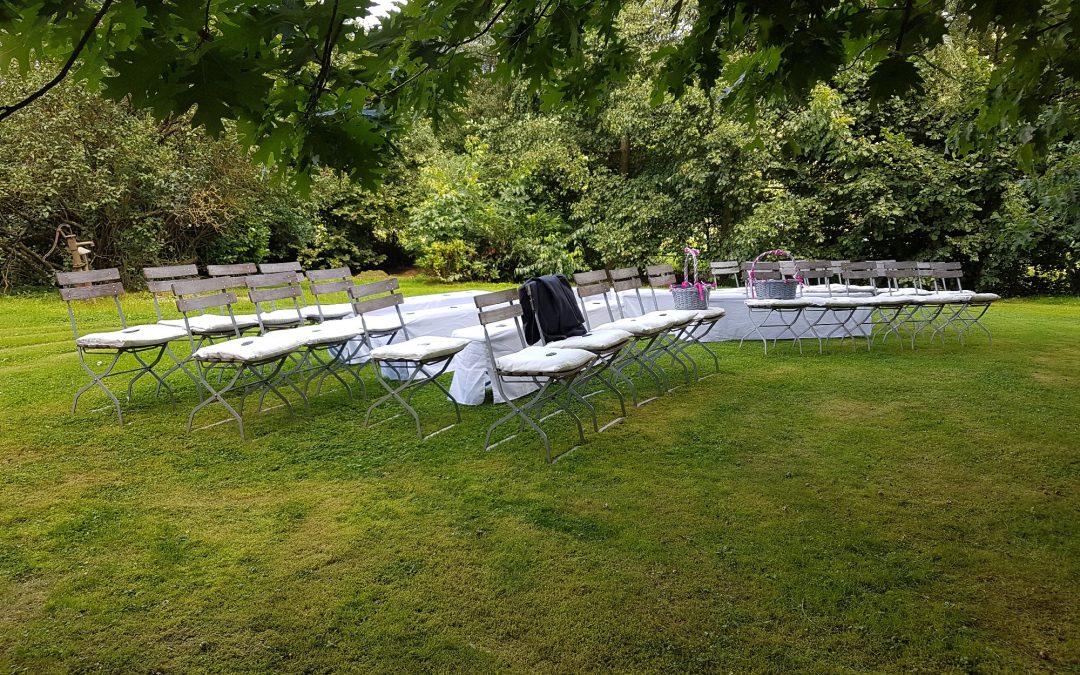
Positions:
{"x": 983, "y": 297}
{"x": 640, "y": 326}
{"x": 548, "y": 361}
{"x": 254, "y": 349}
{"x": 211, "y": 324}
{"x": 281, "y": 317}
{"x": 336, "y": 311}
{"x": 594, "y": 341}
{"x": 794, "y": 303}
{"x": 382, "y": 323}
{"x": 425, "y": 348}
{"x": 681, "y": 317}
{"x": 147, "y": 335}
{"x": 711, "y": 314}
{"x": 327, "y": 332}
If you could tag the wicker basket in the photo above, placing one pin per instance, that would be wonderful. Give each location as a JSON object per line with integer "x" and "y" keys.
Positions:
{"x": 776, "y": 289}
{"x": 687, "y": 295}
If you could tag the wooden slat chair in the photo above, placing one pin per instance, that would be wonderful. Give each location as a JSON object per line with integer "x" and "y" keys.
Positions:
{"x": 553, "y": 370}
{"x": 725, "y": 268}
{"x": 256, "y": 363}
{"x": 646, "y": 332}
{"x": 324, "y": 285}
{"x": 762, "y": 271}
{"x": 234, "y": 275}
{"x": 606, "y": 345}
{"x": 294, "y": 267}
{"x": 159, "y": 281}
{"x": 854, "y": 272}
{"x": 267, "y": 291}
{"x": 941, "y": 272}
{"x": 823, "y": 322}
{"x": 663, "y": 276}
{"x": 629, "y": 278}
{"x": 415, "y": 362}
{"x": 148, "y": 340}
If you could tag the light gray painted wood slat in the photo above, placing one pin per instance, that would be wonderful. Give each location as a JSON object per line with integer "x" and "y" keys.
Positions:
{"x": 195, "y": 286}
{"x": 91, "y": 292}
{"x": 331, "y": 287}
{"x": 499, "y": 314}
{"x": 162, "y": 286}
{"x": 365, "y": 306}
{"x": 724, "y": 267}
{"x": 497, "y": 297}
{"x": 374, "y": 288}
{"x": 590, "y": 277}
{"x": 234, "y": 270}
{"x": 170, "y": 272}
{"x": 626, "y": 284}
{"x": 271, "y": 294}
{"x": 658, "y": 270}
{"x": 592, "y": 289}
{"x": 273, "y": 268}
{"x": 185, "y": 305}
{"x": 326, "y": 275}
{"x": 90, "y": 277}
{"x": 624, "y": 273}
{"x": 272, "y": 279}
{"x": 665, "y": 279}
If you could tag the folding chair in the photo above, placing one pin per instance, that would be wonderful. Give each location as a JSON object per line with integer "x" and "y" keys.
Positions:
{"x": 725, "y": 268}
{"x": 159, "y": 281}
{"x": 629, "y": 278}
{"x": 663, "y": 276}
{"x": 607, "y": 345}
{"x": 416, "y": 362}
{"x": 266, "y": 290}
{"x": 645, "y": 331}
{"x": 326, "y": 283}
{"x": 831, "y": 320}
{"x": 233, "y": 274}
{"x": 553, "y": 371}
{"x": 149, "y": 340}
{"x": 244, "y": 364}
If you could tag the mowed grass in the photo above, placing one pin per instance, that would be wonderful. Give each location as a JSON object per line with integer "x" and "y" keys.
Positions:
{"x": 892, "y": 510}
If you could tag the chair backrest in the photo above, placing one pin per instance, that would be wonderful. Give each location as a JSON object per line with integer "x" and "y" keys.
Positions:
{"x": 235, "y": 274}
{"x": 626, "y": 279}
{"x": 195, "y": 296}
{"x": 660, "y": 276}
{"x": 943, "y": 271}
{"x": 817, "y": 273}
{"x": 274, "y": 268}
{"x": 592, "y": 290}
{"x": 328, "y": 282}
{"x": 724, "y": 268}
{"x": 90, "y": 286}
{"x": 500, "y": 306}
{"x": 894, "y": 271}
{"x": 378, "y": 295}
{"x": 159, "y": 281}
{"x": 762, "y": 271}
{"x": 267, "y": 290}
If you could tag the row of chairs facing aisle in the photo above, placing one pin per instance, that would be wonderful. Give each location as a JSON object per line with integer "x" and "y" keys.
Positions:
{"x": 287, "y": 346}
{"x": 875, "y": 299}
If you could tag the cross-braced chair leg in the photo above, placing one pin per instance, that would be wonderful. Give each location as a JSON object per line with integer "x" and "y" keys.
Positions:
{"x": 97, "y": 379}
{"x": 551, "y": 391}
{"x": 265, "y": 381}
{"x": 639, "y": 353}
{"x": 410, "y": 385}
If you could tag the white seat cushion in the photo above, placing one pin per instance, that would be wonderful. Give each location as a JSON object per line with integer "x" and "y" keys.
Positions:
{"x": 681, "y": 317}
{"x": 208, "y": 324}
{"x": 640, "y": 326}
{"x": 846, "y": 303}
{"x": 382, "y": 323}
{"x": 328, "y": 311}
{"x": 984, "y": 297}
{"x": 254, "y": 349}
{"x": 594, "y": 341}
{"x": 328, "y": 332}
{"x": 710, "y": 314}
{"x": 281, "y": 317}
{"x": 794, "y": 303}
{"x": 425, "y": 348}
{"x": 543, "y": 361}
{"x": 134, "y": 336}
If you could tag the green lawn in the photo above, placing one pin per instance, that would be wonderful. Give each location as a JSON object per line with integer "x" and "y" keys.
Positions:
{"x": 893, "y": 510}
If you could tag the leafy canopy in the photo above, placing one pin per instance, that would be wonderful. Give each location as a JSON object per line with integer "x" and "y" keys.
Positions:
{"x": 308, "y": 84}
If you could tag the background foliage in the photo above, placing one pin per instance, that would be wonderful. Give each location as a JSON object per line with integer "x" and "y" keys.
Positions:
{"x": 500, "y": 184}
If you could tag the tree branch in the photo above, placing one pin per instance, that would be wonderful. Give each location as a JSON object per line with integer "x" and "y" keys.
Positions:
{"x": 324, "y": 67}
{"x": 9, "y": 110}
